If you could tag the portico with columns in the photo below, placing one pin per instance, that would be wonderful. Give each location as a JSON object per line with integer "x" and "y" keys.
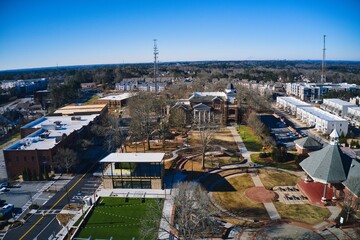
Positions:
{"x": 202, "y": 113}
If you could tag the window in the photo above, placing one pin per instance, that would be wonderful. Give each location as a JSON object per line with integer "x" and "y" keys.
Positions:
{"x": 117, "y": 165}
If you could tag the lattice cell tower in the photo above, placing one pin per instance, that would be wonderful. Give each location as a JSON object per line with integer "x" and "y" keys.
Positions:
{"x": 323, "y": 65}
{"x": 156, "y": 52}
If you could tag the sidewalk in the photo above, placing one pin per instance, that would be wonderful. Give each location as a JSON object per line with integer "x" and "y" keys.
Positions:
{"x": 164, "y": 230}
{"x": 270, "y": 207}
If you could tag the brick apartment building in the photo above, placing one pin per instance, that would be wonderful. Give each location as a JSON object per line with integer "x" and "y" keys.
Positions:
{"x": 41, "y": 138}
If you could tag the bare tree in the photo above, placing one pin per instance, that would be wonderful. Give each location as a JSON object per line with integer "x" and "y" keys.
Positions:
{"x": 114, "y": 136}
{"x": 65, "y": 158}
{"x": 178, "y": 119}
{"x": 206, "y": 136}
{"x": 143, "y": 116}
{"x": 351, "y": 203}
{"x": 255, "y": 123}
{"x": 194, "y": 215}
{"x": 164, "y": 130}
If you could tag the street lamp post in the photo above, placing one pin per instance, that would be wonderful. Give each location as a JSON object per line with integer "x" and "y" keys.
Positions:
{"x": 67, "y": 196}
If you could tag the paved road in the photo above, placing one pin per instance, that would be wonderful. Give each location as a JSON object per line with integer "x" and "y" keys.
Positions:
{"x": 40, "y": 226}
{"x": 13, "y": 104}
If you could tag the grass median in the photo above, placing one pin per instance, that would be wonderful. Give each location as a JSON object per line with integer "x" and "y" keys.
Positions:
{"x": 251, "y": 141}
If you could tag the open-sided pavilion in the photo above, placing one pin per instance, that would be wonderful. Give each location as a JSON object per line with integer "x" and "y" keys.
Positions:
{"x": 133, "y": 170}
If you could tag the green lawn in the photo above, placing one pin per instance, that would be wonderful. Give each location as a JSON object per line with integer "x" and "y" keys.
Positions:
{"x": 114, "y": 217}
{"x": 251, "y": 141}
{"x": 290, "y": 165}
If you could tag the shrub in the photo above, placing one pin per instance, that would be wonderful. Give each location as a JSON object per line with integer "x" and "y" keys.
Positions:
{"x": 34, "y": 206}
{"x": 279, "y": 154}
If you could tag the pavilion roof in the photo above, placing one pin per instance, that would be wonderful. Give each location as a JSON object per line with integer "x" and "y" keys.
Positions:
{"x": 308, "y": 142}
{"x": 328, "y": 165}
{"x": 353, "y": 180}
{"x": 133, "y": 157}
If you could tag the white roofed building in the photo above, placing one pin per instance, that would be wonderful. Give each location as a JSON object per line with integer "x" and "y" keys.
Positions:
{"x": 336, "y": 106}
{"x": 119, "y": 100}
{"x": 314, "y": 91}
{"x": 322, "y": 121}
{"x": 215, "y": 107}
{"x": 353, "y": 115}
{"x": 41, "y": 140}
{"x": 290, "y": 104}
{"x": 133, "y": 170}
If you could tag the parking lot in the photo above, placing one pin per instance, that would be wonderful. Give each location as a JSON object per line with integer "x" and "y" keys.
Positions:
{"x": 282, "y": 133}
{"x": 23, "y": 194}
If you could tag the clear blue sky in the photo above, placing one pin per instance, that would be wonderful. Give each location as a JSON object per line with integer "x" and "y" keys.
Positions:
{"x": 40, "y": 33}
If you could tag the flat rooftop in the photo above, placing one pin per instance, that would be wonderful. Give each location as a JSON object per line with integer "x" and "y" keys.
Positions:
{"x": 294, "y": 101}
{"x": 80, "y": 109}
{"x": 118, "y": 97}
{"x": 51, "y": 130}
{"x": 354, "y": 109}
{"x": 340, "y": 102}
{"x": 322, "y": 114}
{"x": 212, "y": 94}
{"x": 133, "y": 157}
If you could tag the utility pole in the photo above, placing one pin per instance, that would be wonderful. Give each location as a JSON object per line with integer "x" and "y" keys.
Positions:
{"x": 323, "y": 65}
{"x": 156, "y": 52}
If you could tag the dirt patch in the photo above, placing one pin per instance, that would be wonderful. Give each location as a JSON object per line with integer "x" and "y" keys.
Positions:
{"x": 260, "y": 194}
{"x": 64, "y": 218}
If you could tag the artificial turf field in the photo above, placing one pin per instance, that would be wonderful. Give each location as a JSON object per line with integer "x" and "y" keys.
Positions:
{"x": 116, "y": 218}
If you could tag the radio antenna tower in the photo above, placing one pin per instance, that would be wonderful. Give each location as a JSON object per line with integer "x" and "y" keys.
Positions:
{"x": 156, "y": 52}
{"x": 323, "y": 65}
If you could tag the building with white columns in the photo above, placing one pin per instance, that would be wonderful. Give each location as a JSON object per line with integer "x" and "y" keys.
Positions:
{"x": 211, "y": 107}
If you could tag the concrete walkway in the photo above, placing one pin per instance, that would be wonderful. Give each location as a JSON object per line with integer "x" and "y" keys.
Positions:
{"x": 270, "y": 207}
{"x": 164, "y": 229}
{"x": 335, "y": 211}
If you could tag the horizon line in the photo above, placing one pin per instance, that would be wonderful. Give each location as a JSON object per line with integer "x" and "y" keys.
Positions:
{"x": 166, "y": 62}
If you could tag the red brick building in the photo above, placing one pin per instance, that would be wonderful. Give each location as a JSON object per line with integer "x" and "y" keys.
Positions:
{"x": 42, "y": 138}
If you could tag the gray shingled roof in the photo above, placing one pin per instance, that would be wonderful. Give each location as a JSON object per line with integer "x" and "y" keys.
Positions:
{"x": 308, "y": 143}
{"x": 230, "y": 86}
{"x": 204, "y": 99}
{"x": 328, "y": 165}
{"x": 202, "y": 107}
{"x": 353, "y": 180}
